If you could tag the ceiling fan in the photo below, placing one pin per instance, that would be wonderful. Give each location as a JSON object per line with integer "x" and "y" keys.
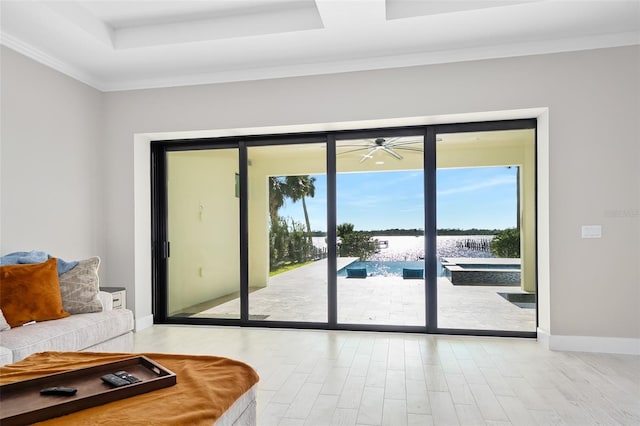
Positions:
{"x": 390, "y": 146}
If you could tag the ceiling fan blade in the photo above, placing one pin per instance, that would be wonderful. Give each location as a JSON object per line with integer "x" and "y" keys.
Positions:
{"x": 391, "y": 141}
{"x": 353, "y": 150}
{"x": 392, "y": 152}
{"x": 369, "y": 154}
{"x": 359, "y": 146}
{"x": 361, "y": 143}
{"x": 406, "y": 148}
{"x": 355, "y": 142}
{"x": 404, "y": 142}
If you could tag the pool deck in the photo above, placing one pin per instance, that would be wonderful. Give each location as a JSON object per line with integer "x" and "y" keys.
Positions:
{"x": 481, "y": 261}
{"x": 301, "y": 295}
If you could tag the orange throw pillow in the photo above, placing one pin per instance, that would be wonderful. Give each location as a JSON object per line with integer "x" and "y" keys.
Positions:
{"x": 30, "y": 292}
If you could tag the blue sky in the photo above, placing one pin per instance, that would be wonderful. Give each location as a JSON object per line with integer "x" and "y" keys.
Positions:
{"x": 482, "y": 197}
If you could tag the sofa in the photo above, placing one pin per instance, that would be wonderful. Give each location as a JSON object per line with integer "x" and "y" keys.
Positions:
{"x": 110, "y": 330}
{"x": 43, "y": 311}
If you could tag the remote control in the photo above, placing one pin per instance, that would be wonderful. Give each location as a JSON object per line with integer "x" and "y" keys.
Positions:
{"x": 59, "y": 390}
{"x": 114, "y": 380}
{"x": 128, "y": 377}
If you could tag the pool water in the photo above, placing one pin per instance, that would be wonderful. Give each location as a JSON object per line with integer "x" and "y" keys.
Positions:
{"x": 384, "y": 268}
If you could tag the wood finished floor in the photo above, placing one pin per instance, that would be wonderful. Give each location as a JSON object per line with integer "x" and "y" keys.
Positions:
{"x": 322, "y": 378}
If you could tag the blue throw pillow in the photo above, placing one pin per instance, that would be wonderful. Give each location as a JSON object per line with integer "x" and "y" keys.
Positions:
{"x": 30, "y": 257}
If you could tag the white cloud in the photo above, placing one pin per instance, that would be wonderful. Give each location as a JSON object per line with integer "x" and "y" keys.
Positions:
{"x": 497, "y": 181}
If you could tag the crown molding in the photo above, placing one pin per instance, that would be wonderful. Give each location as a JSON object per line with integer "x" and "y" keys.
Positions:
{"x": 39, "y": 56}
{"x": 387, "y": 62}
{"x": 334, "y": 67}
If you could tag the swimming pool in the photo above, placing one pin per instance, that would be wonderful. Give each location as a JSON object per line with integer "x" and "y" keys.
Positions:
{"x": 489, "y": 266}
{"x": 383, "y": 268}
{"x": 493, "y": 271}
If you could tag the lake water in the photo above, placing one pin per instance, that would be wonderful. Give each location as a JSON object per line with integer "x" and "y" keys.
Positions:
{"x": 408, "y": 248}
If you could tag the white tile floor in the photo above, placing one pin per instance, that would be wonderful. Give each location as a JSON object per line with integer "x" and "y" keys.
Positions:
{"x": 322, "y": 378}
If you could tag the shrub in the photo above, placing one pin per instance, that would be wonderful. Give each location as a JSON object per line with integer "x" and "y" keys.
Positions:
{"x": 288, "y": 243}
{"x": 354, "y": 243}
{"x": 506, "y": 243}
{"x": 278, "y": 242}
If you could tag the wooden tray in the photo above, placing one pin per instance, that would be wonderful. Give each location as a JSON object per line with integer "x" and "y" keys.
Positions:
{"x": 22, "y": 403}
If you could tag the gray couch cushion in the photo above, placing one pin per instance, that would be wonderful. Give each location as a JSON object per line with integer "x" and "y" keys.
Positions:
{"x": 73, "y": 333}
{"x": 6, "y": 356}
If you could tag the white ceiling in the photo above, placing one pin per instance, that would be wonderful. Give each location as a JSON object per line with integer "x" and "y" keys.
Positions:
{"x": 118, "y": 45}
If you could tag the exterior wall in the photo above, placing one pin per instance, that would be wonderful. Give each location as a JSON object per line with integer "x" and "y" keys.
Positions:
{"x": 258, "y": 225}
{"x": 203, "y": 227}
{"x": 588, "y": 160}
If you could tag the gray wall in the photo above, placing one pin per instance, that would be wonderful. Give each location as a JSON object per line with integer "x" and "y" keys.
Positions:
{"x": 593, "y": 106}
{"x": 51, "y": 191}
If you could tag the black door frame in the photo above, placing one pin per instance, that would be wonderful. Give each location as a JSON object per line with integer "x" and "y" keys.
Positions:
{"x": 161, "y": 247}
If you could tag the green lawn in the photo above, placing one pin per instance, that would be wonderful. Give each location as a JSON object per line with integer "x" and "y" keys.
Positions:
{"x": 289, "y": 267}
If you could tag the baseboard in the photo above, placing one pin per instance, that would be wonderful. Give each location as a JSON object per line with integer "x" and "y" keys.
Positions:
{"x": 610, "y": 345}
{"x": 543, "y": 337}
{"x": 144, "y": 322}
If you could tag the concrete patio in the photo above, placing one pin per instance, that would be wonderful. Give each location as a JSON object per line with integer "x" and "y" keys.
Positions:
{"x": 301, "y": 295}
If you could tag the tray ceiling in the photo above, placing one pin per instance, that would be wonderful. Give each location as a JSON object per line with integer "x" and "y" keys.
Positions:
{"x": 119, "y": 45}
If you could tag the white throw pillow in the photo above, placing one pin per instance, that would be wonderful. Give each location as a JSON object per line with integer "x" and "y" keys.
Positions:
{"x": 79, "y": 287}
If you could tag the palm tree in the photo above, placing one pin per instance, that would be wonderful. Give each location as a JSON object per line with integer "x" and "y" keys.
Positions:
{"x": 298, "y": 188}
{"x": 277, "y": 194}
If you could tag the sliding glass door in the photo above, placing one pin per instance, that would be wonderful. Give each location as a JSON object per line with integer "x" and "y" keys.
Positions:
{"x": 287, "y": 212}
{"x": 203, "y": 219}
{"x": 427, "y": 228}
{"x": 486, "y": 230}
{"x": 380, "y": 230}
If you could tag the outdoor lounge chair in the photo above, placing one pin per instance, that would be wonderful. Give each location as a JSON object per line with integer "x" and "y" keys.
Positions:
{"x": 356, "y": 272}
{"x": 412, "y": 274}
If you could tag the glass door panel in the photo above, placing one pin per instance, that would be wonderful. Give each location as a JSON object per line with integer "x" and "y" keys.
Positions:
{"x": 380, "y": 230}
{"x": 287, "y": 232}
{"x": 203, "y": 232}
{"x": 486, "y": 230}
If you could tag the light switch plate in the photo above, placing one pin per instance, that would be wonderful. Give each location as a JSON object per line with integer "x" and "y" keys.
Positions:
{"x": 591, "y": 231}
